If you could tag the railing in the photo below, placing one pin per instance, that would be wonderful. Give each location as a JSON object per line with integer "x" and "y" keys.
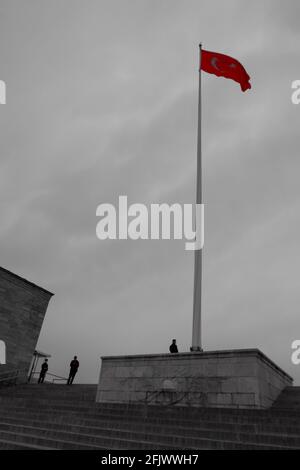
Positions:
{"x": 57, "y": 379}
{"x": 10, "y": 377}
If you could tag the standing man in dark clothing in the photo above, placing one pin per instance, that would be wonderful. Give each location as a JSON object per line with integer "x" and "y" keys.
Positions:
{"x": 173, "y": 348}
{"x": 43, "y": 372}
{"x": 73, "y": 370}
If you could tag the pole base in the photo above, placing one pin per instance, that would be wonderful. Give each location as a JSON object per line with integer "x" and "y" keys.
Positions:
{"x": 196, "y": 349}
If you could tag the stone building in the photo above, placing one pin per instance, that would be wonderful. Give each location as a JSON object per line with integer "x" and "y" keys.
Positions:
{"x": 23, "y": 307}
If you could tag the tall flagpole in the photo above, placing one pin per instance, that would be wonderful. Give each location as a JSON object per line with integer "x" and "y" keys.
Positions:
{"x": 196, "y": 338}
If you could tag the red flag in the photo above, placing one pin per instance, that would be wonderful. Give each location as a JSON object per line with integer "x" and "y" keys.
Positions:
{"x": 225, "y": 66}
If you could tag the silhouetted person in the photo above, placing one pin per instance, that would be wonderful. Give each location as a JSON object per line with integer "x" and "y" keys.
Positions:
{"x": 43, "y": 372}
{"x": 73, "y": 370}
{"x": 173, "y": 348}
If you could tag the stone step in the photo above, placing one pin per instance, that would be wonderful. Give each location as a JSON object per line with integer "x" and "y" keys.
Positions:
{"x": 65, "y": 395}
{"x": 96, "y": 414}
{"x": 56, "y": 385}
{"x": 36, "y": 442}
{"x": 48, "y": 392}
{"x": 288, "y": 406}
{"x": 148, "y": 413}
{"x": 84, "y": 401}
{"x": 292, "y": 389}
{"x": 59, "y": 417}
{"x": 11, "y": 445}
{"x": 288, "y": 396}
{"x": 164, "y": 433}
{"x": 40, "y": 389}
{"x": 41, "y": 437}
{"x": 187, "y": 428}
{"x": 49, "y": 388}
{"x": 288, "y": 399}
{"x": 30, "y": 400}
{"x": 80, "y": 395}
{"x": 34, "y": 403}
{"x": 99, "y": 414}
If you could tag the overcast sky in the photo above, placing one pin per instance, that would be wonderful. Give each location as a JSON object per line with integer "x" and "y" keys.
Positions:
{"x": 102, "y": 102}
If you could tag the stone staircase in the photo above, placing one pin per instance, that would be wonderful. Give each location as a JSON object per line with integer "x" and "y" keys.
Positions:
{"x": 52, "y": 416}
{"x": 289, "y": 399}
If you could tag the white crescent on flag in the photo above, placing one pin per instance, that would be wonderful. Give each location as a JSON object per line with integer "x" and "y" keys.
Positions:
{"x": 213, "y": 62}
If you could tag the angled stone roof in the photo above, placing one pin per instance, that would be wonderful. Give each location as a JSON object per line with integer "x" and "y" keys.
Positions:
{"x": 22, "y": 279}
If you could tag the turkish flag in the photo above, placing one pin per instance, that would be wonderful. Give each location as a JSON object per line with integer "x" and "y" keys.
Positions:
{"x": 225, "y": 66}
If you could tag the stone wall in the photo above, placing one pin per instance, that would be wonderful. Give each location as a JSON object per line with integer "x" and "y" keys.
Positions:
{"x": 235, "y": 379}
{"x": 22, "y": 310}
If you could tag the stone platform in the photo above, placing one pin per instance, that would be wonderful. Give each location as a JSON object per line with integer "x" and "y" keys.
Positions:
{"x": 244, "y": 378}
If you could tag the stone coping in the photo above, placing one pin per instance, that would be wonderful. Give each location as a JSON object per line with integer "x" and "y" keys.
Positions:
{"x": 205, "y": 354}
{"x": 12, "y": 276}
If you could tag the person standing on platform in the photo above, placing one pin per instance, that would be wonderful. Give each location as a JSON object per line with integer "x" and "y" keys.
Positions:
{"x": 173, "y": 348}
{"x": 74, "y": 365}
{"x": 43, "y": 372}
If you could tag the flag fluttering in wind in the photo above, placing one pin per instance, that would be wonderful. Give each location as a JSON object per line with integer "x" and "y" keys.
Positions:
{"x": 225, "y": 66}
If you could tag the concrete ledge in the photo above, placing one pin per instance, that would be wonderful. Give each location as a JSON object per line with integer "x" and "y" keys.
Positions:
{"x": 244, "y": 378}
